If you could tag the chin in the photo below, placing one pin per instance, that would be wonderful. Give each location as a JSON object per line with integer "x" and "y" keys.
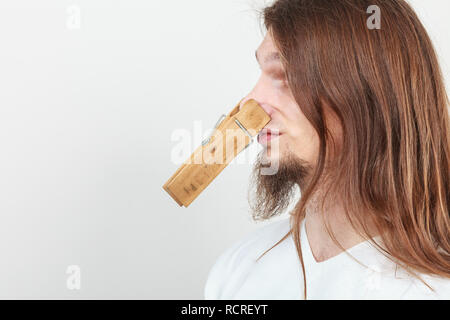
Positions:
{"x": 272, "y": 153}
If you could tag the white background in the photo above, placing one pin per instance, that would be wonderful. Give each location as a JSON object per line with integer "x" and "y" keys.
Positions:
{"x": 86, "y": 119}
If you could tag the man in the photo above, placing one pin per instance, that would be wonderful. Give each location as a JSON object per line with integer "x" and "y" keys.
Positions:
{"x": 360, "y": 123}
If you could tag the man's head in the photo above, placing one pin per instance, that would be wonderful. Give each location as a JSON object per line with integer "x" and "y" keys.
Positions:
{"x": 289, "y": 138}
{"x": 296, "y": 135}
{"x": 363, "y": 119}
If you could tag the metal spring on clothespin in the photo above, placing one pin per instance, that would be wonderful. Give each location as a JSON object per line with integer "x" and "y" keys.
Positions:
{"x": 206, "y": 141}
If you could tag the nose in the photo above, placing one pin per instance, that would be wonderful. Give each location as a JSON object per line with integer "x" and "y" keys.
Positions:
{"x": 266, "y": 106}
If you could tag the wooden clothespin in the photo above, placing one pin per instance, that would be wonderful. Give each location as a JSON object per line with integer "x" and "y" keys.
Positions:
{"x": 233, "y": 133}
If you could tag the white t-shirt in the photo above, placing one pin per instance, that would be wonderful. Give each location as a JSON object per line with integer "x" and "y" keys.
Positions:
{"x": 277, "y": 275}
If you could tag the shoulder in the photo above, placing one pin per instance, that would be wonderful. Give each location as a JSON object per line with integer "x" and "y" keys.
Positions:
{"x": 385, "y": 278}
{"x": 238, "y": 259}
{"x": 432, "y": 287}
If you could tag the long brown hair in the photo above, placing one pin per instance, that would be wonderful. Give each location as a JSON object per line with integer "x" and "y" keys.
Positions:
{"x": 386, "y": 88}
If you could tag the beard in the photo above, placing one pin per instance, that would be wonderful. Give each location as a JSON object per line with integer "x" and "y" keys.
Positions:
{"x": 271, "y": 194}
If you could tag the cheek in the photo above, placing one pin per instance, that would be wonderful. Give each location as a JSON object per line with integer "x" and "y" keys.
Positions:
{"x": 301, "y": 138}
{"x": 296, "y": 123}
{"x": 304, "y": 146}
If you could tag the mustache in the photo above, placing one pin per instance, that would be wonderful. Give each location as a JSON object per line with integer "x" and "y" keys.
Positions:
{"x": 270, "y": 195}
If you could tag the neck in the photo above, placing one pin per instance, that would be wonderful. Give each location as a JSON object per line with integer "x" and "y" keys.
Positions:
{"x": 322, "y": 245}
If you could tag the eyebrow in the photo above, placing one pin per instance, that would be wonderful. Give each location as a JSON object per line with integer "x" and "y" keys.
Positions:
{"x": 273, "y": 56}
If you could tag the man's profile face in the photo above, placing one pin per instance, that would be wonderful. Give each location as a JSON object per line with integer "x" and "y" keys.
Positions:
{"x": 296, "y": 136}
{"x": 292, "y": 142}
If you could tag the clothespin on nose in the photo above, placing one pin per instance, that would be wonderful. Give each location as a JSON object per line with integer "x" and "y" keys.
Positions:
{"x": 197, "y": 172}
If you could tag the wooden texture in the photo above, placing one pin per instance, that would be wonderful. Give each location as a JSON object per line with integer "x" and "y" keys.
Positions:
{"x": 207, "y": 161}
